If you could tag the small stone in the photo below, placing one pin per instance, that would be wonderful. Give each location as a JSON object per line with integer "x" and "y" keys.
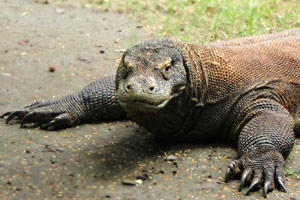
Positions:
{"x": 6, "y": 74}
{"x": 27, "y": 151}
{"x": 23, "y": 54}
{"x": 131, "y": 182}
{"x": 59, "y": 149}
{"x": 52, "y": 68}
{"x": 84, "y": 59}
{"x": 53, "y": 162}
{"x": 23, "y": 42}
{"x": 59, "y": 10}
{"x": 171, "y": 158}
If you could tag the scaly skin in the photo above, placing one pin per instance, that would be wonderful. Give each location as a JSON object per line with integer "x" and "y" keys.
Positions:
{"x": 245, "y": 91}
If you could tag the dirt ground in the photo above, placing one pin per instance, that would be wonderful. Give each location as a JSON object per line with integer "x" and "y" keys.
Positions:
{"x": 91, "y": 161}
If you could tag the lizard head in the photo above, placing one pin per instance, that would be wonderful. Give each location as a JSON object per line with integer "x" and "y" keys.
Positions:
{"x": 150, "y": 75}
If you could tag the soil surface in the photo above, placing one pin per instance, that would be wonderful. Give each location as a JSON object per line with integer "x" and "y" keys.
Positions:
{"x": 115, "y": 160}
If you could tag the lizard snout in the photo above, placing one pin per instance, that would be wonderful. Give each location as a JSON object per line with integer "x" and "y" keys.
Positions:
{"x": 134, "y": 85}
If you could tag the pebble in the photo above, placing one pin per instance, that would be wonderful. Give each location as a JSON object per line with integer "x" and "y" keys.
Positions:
{"x": 59, "y": 149}
{"x": 84, "y": 59}
{"x": 52, "y": 68}
{"x": 132, "y": 182}
{"x": 59, "y": 10}
{"x": 23, "y": 42}
{"x": 171, "y": 158}
{"x": 27, "y": 151}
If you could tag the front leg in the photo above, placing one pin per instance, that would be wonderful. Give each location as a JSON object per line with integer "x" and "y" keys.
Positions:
{"x": 96, "y": 102}
{"x": 265, "y": 140}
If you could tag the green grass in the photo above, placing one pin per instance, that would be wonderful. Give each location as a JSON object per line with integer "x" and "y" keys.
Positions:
{"x": 207, "y": 20}
{"x": 293, "y": 173}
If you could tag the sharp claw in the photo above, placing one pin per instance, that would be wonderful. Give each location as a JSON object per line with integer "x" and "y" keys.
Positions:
{"x": 5, "y": 114}
{"x": 245, "y": 174}
{"x": 230, "y": 169}
{"x": 10, "y": 117}
{"x": 281, "y": 183}
{"x": 252, "y": 186}
{"x": 51, "y": 125}
{"x": 26, "y": 119}
{"x": 242, "y": 185}
{"x": 51, "y": 128}
{"x": 22, "y": 125}
{"x": 227, "y": 175}
{"x": 266, "y": 188}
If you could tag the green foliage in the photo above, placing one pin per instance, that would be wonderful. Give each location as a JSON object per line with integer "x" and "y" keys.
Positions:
{"x": 207, "y": 20}
{"x": 294, "y": 173}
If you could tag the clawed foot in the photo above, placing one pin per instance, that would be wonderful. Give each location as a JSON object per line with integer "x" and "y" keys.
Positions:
{"x": 43, "y": 115}
{"x": 259, "y": 167}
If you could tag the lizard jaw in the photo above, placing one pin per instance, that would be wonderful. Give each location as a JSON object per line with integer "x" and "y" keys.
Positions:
{"x": 143, "y": 106}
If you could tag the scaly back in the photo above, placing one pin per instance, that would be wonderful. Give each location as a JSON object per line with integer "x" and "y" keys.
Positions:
{"x": 221, "y": 69}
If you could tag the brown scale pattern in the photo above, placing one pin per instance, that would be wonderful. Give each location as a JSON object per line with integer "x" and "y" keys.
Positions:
{"x": 242, "y": 63}
{"x": 257, "y": 80}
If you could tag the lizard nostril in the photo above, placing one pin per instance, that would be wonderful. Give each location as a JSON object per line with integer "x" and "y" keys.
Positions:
{"x": 151, "y": 89}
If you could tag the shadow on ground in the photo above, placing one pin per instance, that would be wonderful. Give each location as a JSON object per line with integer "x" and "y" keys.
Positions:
{"x": 90, "y": 161}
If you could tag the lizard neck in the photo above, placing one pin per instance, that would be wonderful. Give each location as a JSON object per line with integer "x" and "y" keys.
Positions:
{"x": 197, "y": 79}
{"x": 211, "y": 78}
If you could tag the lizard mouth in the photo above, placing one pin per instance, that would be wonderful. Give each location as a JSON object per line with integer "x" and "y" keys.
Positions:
{"x": 142, "y": 105}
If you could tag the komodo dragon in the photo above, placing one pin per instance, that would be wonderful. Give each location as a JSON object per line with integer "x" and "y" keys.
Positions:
{"x": 245, "y": 91}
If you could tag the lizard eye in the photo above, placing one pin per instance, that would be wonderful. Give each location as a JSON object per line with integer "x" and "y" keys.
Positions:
{"x": 168, "y": 68}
